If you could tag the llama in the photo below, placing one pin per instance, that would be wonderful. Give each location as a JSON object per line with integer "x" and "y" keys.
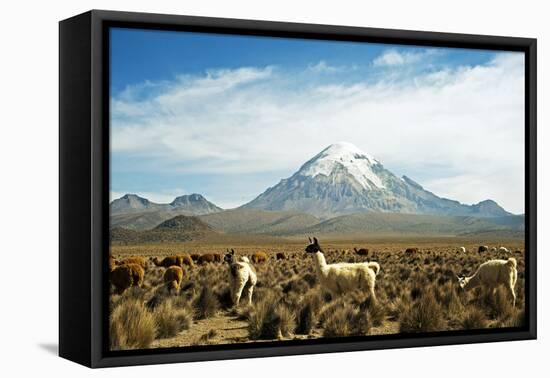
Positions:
{"x": 503, "y": 250}
{"x": 462, "y": 250}
{"x": 482, "y": 248}
{"x": 411, "y": 250}
{"x": 361, "y": 251}
{"x": 207, "y": 258}
{"x": 125, "y": 276}
{"x": 242, "y": 277}
{"x": 343, "y": 277}
{"x": 134, "y": 260}
{"x": 173, "y": 277}
{"x": 112, "y": 263}
{"x": 281, "y": 256}
{"x": 185, "y": 259}
{"x": 167, "y": 261}
{"x": 492, "y": 274}
{"x": 259, "y": 257}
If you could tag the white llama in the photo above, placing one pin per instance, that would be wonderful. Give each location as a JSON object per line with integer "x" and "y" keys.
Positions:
{"x": 343, "y": 277}
{"x": 492, "y": 274}
{"x": 242, "y": 277}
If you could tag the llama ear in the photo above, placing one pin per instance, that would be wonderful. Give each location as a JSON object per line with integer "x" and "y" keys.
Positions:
{"x": 310, "y": 239}
{"x": 315, "y": 240}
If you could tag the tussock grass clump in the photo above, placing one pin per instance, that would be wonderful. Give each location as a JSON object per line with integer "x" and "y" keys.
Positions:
{"x": 376, "y": 311}
{"x": 346, "y": 320}
{"x": 310, "y": 278}
{"x": 171, "y": 320}
{"x": 287, "y": 320}
{"x": 206, "y": 305}
{"x": 224, "y": 298}
{"x": 397, "y": 307}
{"x": 297, "y": 285}
{"x": 498, "y": 305}
{"x": 424, "y": 315}
{"x": 516, "y": 320}
{"x": 474, "y": 318}
{"x": 131, "y": 326}
{"x": 307, "y": 314}
{"x": 416, "y": 292}
{"x": 270, "y": 319}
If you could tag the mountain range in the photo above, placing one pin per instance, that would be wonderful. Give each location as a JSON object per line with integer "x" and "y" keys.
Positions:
{"x": 137, "y": 213}
{"x": 341, "y": 190}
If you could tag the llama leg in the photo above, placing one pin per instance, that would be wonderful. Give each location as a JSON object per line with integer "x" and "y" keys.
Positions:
{"x": 510, "y": 288}
{"x": 238, "y": 289}
{"x": 248, "y": 292}
{"x": 372, "y": 294}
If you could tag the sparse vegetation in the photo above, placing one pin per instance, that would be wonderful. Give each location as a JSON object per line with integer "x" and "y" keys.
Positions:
{"x": 172, "y": 319}
{"x": 415, "y": 292}
{"x": 131, "y": 325}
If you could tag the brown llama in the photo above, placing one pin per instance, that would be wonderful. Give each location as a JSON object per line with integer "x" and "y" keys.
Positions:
{"x": 172, "y": 278}
{"x": 125, "y": 276}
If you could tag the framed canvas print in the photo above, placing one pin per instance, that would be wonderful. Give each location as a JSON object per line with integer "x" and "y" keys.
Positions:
{"x": 234, "y": 188}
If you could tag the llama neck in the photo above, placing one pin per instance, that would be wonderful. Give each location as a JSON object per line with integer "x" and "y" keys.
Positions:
{"x": 472, "y": 281}
{"x": 320, "y": 262}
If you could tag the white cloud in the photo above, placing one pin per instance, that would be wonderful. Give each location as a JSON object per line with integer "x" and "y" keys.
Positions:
{"x": 466, "y": 121}
{"x": 394, "y": 57}
{"x": 324, "y": 67}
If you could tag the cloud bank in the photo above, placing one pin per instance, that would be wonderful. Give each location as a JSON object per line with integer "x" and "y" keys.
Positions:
{"x": 457, "y": 131}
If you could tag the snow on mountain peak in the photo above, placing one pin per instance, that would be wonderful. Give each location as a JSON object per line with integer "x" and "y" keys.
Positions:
{"x": 344, "y": 154}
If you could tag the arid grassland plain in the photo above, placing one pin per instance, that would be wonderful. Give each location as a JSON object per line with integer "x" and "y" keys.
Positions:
{"x": 416, "y": 291}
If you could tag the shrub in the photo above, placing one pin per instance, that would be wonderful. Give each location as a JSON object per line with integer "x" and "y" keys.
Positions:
{"x": 416, "y": 292}
{"x": 172, "y": 320}
{"x": 346, "y": 321}
{"x": 287, "y": 320}
{"x": 270, "y": 319}
{"x": 499, "y": 304}
{"x": 206, "y": 305}
{"x": 424, "y": 315}
{"x": 224, "y": 298}
{"x": 307, "y": 315}
{"x": 474, "y": 318}
{"x": 376, "y": 312}
{"x": 306, "y": 320}
{"x": 131, "y": 326}
{"x": 517, "y": 319}
{"x": 310, "y": 278}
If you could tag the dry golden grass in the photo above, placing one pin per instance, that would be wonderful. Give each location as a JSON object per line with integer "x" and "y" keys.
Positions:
{"x": 416, "y": 292}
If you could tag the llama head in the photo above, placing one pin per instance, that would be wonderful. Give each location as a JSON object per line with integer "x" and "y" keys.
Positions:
{"x": 313, "y": 246}
{"x": 463, "y": 282}
{"x": 228, "y": 258}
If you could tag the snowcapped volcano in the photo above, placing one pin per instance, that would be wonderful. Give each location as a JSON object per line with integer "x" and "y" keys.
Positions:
{"x": 342, "y": 179}
{"x": 344, "y": 156}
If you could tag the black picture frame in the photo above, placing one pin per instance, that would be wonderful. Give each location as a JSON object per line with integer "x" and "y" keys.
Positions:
{"x": 84, "y": 189}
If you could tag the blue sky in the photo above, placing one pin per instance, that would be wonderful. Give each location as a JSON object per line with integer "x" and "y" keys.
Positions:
{"x": 229, "y": 116}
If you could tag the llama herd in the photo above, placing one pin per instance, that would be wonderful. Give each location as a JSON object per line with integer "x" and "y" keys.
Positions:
{"x": 337, "y": 278}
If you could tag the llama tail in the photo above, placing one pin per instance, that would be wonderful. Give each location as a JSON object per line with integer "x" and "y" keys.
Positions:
{"x": 374, "y": 266}
{"x": 512, "y": 263}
